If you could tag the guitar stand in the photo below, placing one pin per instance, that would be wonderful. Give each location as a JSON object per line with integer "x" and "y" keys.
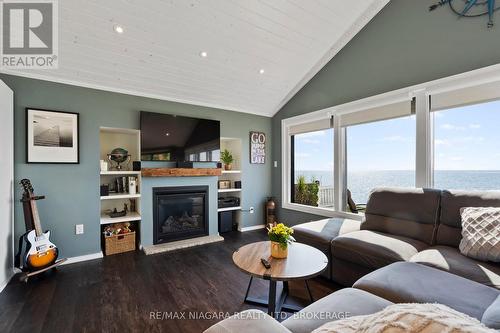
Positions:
{"x": 26, "y": 275}
{"x": 28, "y": 217}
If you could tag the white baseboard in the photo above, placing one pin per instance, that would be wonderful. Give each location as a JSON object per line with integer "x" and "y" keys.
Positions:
{"x": 6, "y": 282}
{"x": 254, "y": 227}
{"x": 86, "y": 257}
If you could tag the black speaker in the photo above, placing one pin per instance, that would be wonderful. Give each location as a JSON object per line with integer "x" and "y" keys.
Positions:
{"x": 225, "y": 222}
{"x": 136, "y": 165}
{"x": 237, "y": 184}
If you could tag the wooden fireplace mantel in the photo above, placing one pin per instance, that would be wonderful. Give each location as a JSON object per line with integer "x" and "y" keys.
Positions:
{"x": 181, "y": 172}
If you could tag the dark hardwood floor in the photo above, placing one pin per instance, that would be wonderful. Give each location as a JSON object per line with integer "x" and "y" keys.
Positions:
{"x": 123, "y": 293}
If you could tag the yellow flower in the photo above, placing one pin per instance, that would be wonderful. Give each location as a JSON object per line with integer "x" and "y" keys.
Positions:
{"x": 281, "y": 233}
{"x": 281, "y": 230}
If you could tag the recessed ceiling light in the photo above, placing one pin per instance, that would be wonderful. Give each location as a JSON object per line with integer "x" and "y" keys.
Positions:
{"x": 203, "y": 54}
{"x": 262, "y": 71}
{"x": 167, "y": 134}
{"x": 118, "y": 29}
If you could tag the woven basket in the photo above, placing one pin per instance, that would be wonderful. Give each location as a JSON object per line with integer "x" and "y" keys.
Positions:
{"x": 120, "y": 243}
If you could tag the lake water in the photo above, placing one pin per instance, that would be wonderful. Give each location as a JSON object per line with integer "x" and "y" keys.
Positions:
{"x": 361, "y": 183}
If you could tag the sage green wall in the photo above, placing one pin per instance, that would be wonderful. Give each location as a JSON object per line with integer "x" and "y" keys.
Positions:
{"x": 402, "y": 46}
{"x": 73, "y": 190}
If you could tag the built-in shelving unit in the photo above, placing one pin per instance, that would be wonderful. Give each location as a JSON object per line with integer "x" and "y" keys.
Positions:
{"x": 230, "y": 171}
{"x": 115, "y": 196}
{"x": 228, "y": 209}
{"x": 134, "y": 216}
{"x": 118, "y": 173}
{"x": 233, "y": 175}
{"x": 129, "y": 139}
{"x": 229, "y": 190}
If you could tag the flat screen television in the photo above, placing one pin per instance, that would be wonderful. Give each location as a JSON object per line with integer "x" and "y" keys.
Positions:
{"x": 174, "y": 138}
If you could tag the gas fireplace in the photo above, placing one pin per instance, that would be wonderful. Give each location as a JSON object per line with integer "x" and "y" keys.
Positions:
{"x": 179, "y": 213}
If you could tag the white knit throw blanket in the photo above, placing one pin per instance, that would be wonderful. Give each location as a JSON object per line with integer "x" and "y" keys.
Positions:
{"x": 408, "y": 318}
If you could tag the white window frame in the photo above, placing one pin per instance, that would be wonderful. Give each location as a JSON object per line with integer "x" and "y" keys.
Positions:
{"x": 424, "y": 164}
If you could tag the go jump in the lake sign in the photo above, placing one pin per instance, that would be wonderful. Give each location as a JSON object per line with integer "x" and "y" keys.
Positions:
{"x": 257, "y": 148}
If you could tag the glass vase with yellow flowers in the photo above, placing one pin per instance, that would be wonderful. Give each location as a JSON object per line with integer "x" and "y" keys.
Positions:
{"x": 280, "y": 236}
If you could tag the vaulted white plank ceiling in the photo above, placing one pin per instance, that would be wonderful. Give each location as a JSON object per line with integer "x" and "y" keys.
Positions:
{"x": 258, "y": 52}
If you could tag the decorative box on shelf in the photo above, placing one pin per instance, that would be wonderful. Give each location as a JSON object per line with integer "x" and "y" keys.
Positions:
{"x": 119, "y": 243}
{"x": 224, "y": 184}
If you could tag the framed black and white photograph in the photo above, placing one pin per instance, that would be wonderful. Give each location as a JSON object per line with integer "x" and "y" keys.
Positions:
{"x": 52, "y": 136}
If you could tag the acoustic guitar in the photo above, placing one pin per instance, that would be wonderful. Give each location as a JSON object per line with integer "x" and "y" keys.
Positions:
{"x": 40, "y": 251}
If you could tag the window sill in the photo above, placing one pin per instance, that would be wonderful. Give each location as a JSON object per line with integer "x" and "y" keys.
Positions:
{"x": 322, "y": 211}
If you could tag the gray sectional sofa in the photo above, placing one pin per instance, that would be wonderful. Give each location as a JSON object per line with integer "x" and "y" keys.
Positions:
{"x": 401, "y": 282}
{"x": 404, "y": 251}
{"x": 404, "y": 282}
{"x": 415, "y": 225}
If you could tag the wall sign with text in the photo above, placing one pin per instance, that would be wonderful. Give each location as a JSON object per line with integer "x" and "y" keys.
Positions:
{"x": 257, "y": 148}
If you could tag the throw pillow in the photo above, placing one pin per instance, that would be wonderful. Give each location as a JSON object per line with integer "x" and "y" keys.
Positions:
{"x": 408, "y": 318}
{"x": 481, "y": 233}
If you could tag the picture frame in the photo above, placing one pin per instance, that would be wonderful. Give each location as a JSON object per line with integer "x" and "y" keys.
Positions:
{"x": 52, "y": 137}
{"x": 257, "y": 147}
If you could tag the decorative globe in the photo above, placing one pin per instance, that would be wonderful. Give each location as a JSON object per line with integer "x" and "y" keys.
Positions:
{"x": 119, "y": 155}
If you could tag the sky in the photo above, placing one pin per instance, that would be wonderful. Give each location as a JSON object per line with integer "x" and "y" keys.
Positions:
{"x": 466, "y": 138}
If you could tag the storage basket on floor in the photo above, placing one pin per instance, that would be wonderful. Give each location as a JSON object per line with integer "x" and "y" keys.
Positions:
{"x": 120, "y": 243}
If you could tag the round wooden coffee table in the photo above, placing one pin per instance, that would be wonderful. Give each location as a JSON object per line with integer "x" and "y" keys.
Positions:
{"x": 303, "y": 262}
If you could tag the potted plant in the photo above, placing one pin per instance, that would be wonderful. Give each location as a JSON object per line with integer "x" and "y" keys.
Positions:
{"x": 227, "y": 158}
{"x": 280, "y": 236}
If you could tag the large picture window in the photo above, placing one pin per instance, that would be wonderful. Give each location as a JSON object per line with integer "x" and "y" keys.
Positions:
{"x": 466, "y": 147}
{"x": 442, "y": 134}
{"x": 380, "y": 153}
{"x": 312, "y": 168}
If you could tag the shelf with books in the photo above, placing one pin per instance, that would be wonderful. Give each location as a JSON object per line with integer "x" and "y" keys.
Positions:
{"x": 119, "y": 184}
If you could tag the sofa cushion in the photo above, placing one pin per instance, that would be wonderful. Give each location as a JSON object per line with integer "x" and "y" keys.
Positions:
{"x": 451, "y": 260}
{"x": 491, "y": 316}
{"x": 407, "y": 212}
{"x": 406, "y": 282}
{"x": 450, "y": 223}
{"x": 341, "y": 304}
{"x": 319, "y": 234}
{"x": 375, "y": 249}
{"x": 247, "y": 322}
